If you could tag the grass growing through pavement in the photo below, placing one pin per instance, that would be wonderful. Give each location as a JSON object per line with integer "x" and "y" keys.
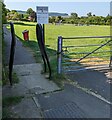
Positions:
{"x": 7, "y": 103}
{"x": 5, "y": 79}
{"x": 51, "y": 34}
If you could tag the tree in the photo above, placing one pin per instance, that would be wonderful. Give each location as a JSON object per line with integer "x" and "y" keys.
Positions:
{"x": 60, "y": 18}
{"x": 7, "y": 10}
{"x": 74, "y": 15}
{"x": 25, "y": 16}
{"x": 108, "y": 20}
{"x": 52, "y": 19}
{"x": 89, "y": 14}
{"x": 56, "y": 20}
{"x": 4, "y": 13}
{"x": 97, "y": 20}
{"x": 16, "y": 16}
{"x": 71, "y": 21}
{"x": 33, "y": 15}
{"x": 29, "y": 11}
{"x": 13, "y": 11}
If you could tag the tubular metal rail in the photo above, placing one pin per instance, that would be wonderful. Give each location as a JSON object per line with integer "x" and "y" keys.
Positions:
{"x": 12, "y": 51}
{"x": 40, "y": 38}
{"x": 75, "y": 59}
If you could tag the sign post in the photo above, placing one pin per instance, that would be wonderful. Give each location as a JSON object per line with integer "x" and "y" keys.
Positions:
{"x": 42, "y": 17}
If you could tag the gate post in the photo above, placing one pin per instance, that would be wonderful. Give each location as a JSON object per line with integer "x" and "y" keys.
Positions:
{"x": 110, "y": 61}
{"x": 59, "y": 55}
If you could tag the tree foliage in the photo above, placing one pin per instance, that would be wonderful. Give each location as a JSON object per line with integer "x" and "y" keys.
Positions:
{"x": 89, "y": 19}
{"x": 74, "y": 15}
{"x": 29, "y": 11}
{"x": 33, "y": 16}
{"x": 4, "y": 13}
{"x": 89, "y": 14}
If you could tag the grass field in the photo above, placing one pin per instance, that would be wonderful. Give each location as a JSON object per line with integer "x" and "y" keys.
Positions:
{"x": 53, "y": 31}
{"x": 51, "y": 35}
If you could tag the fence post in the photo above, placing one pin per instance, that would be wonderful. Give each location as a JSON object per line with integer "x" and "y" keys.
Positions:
{"x": 59, "y": 55}
{"x": 110, "y": 61}
{"x": 110, "y": 49}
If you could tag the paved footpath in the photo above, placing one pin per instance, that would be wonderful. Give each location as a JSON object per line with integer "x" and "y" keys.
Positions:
{"x": 41, "y": 96}
{"x": 31, "y": 81}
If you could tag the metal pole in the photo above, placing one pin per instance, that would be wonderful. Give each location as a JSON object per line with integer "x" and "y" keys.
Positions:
{"x": 110, "y": 54}
{"x": 12, "y": 51}
{"x": 59, "y": 55}
{"x": 110, "y": 61}
{"x": 44, "y": 34}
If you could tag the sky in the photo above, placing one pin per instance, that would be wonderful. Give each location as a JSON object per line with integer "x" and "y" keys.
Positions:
{"x": 82, "y": 8}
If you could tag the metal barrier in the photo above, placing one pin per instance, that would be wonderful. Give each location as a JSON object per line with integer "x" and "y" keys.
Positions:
{"x": 12, "y": 51}
{"x": 73, "y": 60}
{"x": 40, "y": 38}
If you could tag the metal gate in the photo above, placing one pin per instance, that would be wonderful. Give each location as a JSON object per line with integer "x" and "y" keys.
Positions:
{"x": 82, "y": 53}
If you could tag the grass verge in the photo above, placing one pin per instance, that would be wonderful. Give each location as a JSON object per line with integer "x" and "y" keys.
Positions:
{"x": 5, "y": 79}
{"x": 33, "y": 45}
{"x": 7, "y": 103}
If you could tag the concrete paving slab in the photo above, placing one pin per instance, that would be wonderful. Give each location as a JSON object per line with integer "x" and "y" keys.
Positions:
{"x": 31, "y": 81}
{"x": 15, "y": 90}
{"x": 92, "y": 106}
{"x": 30, "y": 73}
{"x": 28, "y": 69}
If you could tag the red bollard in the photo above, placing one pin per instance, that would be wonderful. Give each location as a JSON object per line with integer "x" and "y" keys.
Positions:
{"x": 26, "y": 35}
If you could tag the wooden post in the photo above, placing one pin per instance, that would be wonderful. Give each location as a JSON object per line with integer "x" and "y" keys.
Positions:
{"x": 59, "y": 55}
